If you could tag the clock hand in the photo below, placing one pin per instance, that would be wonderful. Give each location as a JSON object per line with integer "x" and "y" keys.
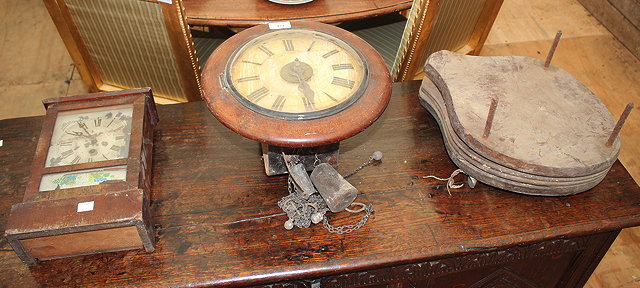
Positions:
{"x": 303, "y": 86}
{"x": 84, "y": 127}
{"x": 74, "y": 133}
{"x": 305, "y": 89}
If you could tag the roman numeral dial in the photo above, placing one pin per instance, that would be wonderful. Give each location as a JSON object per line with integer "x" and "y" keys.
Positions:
{"x": 90, "y": 135}
{"x": 248, "y": 78}
{"x": 288, "y": 44}
{"x": 296, "y": 73}
{"x": 265, "y": 50}
{"x": 278, "y": 104}
{"x": 342, "y": 82}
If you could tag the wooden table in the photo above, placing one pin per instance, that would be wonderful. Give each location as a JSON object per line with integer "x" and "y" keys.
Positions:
{"x": 246, "y": 13}
{"x": 215, "y": 209}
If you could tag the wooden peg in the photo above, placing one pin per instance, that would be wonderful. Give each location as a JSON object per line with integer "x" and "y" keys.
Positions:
{"x": 489, "y": 123}
{"x": 553, "y": 49}
{"x": 616, "y": 129}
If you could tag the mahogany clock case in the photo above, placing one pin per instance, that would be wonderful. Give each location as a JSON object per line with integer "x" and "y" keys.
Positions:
{"x": 47, "y": 225}
{"x": 296, "y": 133}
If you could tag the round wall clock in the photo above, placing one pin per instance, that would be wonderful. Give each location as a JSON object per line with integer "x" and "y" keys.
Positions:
{"x": 296, "y": 85}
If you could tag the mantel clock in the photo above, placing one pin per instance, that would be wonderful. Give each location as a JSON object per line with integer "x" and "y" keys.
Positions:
{"x": 90, "y": 178}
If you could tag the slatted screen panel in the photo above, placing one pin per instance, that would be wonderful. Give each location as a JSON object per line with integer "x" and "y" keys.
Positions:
{"x": 129, "y": 44}
{"x": 384, "y": 38}
{"x": 452, "y": 28}
{"x": 409, "y": 36}
{"x": 454, "y": 24}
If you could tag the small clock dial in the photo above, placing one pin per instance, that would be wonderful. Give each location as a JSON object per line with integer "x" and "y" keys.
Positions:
{"x": 90, "y": 135}
{"x": 296, "y": 74}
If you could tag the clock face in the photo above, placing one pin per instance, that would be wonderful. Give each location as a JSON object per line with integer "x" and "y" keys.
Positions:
{"x": 296, "y": 74}
{"x": 90, "y": 135}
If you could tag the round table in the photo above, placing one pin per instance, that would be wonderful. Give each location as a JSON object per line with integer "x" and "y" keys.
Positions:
{"x": 247, "y": 13}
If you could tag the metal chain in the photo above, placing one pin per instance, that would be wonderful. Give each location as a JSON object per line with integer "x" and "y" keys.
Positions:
{"x": 290, "y": 184}
{"x": 301, "y": 211}
{"x": 376, "y": 156}
{"x": 348, "y": 228}
{"x": 357, "y": 169}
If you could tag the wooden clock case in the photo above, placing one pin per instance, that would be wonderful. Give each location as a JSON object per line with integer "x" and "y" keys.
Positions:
{"x": 310, "y": 139}
{"x": 47, "y": 225}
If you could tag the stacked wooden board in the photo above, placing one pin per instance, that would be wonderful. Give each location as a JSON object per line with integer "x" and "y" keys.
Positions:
{"x": 547, "y": 133}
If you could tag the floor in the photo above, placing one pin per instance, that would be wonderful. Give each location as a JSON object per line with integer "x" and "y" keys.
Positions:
{"x": 36, "y": 65}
